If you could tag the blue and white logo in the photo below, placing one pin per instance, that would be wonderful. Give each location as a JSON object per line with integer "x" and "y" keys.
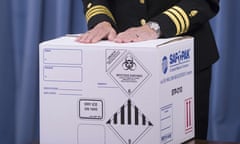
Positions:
{"x": 179, "y": 57}
{"x": 176, "y": 61}
{"x": 164, "y": 64}
{"x": 177, "y": 65}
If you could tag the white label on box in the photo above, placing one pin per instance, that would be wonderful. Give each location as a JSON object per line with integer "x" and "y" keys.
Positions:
{"x": 129, "y": 124}
{"x": 188, "y": 115}
{"x": 62, "y": 56}
{"x": 90, "y": 109}
{"x": 62, "y": 65}
{"x": 90, "y": 134}
{"x": 62, "y": 73}
{"x": 112, "y": 55}
{"x": 166, "y": 123}
{"x": 129, "y": 73}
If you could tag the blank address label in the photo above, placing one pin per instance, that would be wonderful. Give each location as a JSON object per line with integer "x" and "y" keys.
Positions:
{"x": 91, "y": 109}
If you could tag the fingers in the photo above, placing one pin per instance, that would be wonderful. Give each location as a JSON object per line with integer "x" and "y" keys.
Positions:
{"x": 112, "y": 35}
{"x": 136, "y": 34}
{"x": 85, "y": 38}
{"x": 105, "y": 30}
{"x": 126, "y": 37}
{"x": 91, "y": 36}
{"x": 99, "y": 32}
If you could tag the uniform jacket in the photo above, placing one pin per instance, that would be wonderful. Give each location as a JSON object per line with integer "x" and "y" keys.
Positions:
{"x": 175, "y": 17}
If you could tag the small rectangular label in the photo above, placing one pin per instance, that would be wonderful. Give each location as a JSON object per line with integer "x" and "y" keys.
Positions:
{"x": 188, "y": 115}
{"x": 62, "y": 56}
{"x": 166, "y": 123}
{"x": 62, "y": 73}
{"x": 91, "y": 109}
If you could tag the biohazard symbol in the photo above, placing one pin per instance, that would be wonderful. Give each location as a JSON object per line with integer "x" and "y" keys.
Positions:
{"x": 129, "y": 74}
{"x": 129, "y": 64}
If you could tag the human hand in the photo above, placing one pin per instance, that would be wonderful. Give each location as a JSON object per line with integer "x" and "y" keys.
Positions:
{"x": 99, "y": 32}
{"x": 136, "y": 34}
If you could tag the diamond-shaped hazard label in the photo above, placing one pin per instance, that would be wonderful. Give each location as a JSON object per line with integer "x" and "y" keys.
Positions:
{"x": 129, "y": 74}
{"x": 112, "y": 55}
{"x": 129, "y": 124}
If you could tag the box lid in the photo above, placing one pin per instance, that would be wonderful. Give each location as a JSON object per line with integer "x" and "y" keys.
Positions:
{"x": 70, "y": 40}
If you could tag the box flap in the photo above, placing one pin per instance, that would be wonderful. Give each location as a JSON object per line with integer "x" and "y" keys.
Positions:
{"x": 70, "y": 40}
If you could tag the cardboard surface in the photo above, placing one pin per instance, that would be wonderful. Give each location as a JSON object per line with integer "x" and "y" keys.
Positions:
{"x": 109, "y": 93}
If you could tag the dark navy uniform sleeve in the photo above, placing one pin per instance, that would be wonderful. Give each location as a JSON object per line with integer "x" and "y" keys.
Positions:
{"x": 97, "y": 11}
{"x": 185, "y": 16}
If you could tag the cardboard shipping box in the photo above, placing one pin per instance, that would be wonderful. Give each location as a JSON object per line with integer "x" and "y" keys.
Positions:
{"x": 110, "y": 93}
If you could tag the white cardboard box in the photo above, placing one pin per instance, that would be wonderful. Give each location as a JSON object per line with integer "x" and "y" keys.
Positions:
{"x": 109, "y": 93}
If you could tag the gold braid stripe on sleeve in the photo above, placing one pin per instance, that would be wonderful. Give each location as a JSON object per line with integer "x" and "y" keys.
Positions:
{"x": 96, "y": 10}
{"x": 179, "y": 18}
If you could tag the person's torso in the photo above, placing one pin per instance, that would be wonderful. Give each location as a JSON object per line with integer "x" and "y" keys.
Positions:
{"x": 132, "y": 13}
{"x": 129, "y": 13}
